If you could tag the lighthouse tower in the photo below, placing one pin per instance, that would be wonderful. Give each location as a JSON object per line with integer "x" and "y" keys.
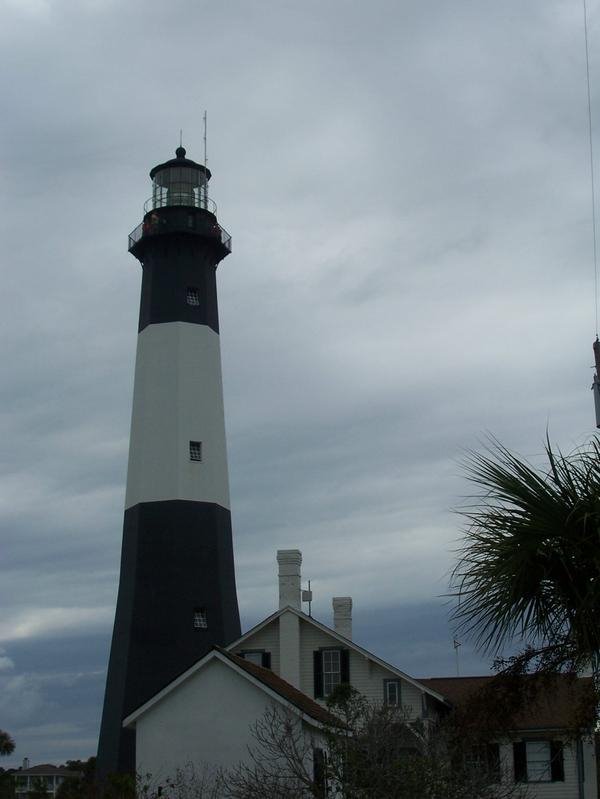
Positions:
{"x": 177, "y": 592}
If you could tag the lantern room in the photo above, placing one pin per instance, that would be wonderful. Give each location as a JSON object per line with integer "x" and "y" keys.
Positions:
{"x": 180, "y": 181}
{"x": 179, "y": 204}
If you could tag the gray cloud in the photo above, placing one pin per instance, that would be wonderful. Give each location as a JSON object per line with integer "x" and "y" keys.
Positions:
{"x": 408, "y": 191}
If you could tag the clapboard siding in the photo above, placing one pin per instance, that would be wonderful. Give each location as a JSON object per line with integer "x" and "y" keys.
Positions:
{"x": 365, "y": 675}
{"x": 567, "y": 789}
{"x": 589, "y": 768}
{"x": 368, "y": 677}
{"x": 267, "y": 639}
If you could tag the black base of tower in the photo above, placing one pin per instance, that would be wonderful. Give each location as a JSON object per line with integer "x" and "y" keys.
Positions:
{"x": 177, "y": 558}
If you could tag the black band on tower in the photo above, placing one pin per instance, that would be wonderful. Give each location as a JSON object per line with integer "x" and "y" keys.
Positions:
{"x": 179, "y": 249}
{"x": 177, "y": 599}
{"x": 179, "y": 284}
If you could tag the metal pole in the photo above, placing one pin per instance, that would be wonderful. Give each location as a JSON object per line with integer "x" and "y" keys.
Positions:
{"x": 205, "y": 126}
{"x": 457, "y": 644}
{"x": 205, "y": 162}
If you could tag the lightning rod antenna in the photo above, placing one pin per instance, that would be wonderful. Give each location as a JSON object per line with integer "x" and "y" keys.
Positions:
{"x": 591, "y": 142}
{"x": 457, "y": 644}
{"x": 596, "y": 345}
{"x": 205, "y": 127}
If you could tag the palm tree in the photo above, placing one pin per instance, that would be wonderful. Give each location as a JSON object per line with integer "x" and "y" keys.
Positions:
{"x": 7, "y": 745}
{"x": 529, "y": 566}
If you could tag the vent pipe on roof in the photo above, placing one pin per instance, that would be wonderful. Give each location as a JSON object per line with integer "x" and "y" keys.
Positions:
{"x": 342, "y": 615}
{"x": 290, "y": 561}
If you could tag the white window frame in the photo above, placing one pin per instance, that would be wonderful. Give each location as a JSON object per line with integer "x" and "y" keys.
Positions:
{"x": 396, "y": 684}
{"x": 253, "y": 656}
{"x": 538, "y": 760}
{"x": 332, "y": 676}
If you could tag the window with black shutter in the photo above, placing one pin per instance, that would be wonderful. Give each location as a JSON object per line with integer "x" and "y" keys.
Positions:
{"x": 320, "y": 773}
{"x": 557, "y": 762}
{"x": 331, "y": 668}
{"x": 345, "y": 665}
{"x": 538, "y": 760}
{"x": 520, "y": 761}
{"x": 318, "y": 674}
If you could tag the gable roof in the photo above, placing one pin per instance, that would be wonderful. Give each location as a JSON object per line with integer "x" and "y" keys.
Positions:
{"x": 553, "y": 708}
{"x": 346, "y": 642}
{"x": 284, "y": 689}
{"x": 265, "y": 679}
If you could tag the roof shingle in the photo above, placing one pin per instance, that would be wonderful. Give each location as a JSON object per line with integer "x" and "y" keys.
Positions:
{"x": 284, "y": 689}
{"x": 553, "y": 708}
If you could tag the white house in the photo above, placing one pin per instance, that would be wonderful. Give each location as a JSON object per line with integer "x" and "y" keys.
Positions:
{"x": 315, "y": 658}
{"x": 30, "y": 778}
{"x": 205, "y": 716}
{"x": 542, "y": 751}
{"x": 291, "y": 660}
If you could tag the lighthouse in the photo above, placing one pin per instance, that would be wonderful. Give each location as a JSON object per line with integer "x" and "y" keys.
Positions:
{"x": 177, "y": 595}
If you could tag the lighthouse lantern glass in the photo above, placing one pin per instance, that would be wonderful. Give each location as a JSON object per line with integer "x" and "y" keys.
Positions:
{"x": 179, "y": 185}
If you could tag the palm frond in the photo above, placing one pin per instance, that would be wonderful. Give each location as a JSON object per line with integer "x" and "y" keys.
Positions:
{"x": 529, "y": 566}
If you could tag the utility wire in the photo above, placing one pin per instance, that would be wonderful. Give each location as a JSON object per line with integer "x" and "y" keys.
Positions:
{"x": 589, "y": 98}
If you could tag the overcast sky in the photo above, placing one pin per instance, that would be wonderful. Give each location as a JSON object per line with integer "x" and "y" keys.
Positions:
{"x": 407, "y": 186}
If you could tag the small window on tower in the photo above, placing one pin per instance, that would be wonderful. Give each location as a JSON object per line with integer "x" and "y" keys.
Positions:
{"x": 193, "y": 296}
{"x": 200, "y": 620}
{"x": 195, "y": 450}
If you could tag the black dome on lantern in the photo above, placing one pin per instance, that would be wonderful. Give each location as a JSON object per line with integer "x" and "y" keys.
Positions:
{"x": 180, "y": 160}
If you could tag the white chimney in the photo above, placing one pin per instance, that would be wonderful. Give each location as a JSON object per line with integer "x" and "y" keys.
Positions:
{"x": 289, "y": 561}
{"x": 25, "y": 762}
{"x": 342, "y": 615}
